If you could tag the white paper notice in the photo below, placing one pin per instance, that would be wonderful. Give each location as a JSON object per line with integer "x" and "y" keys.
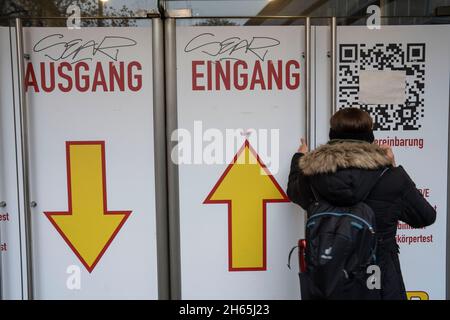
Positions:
{"x": 382, "y": 87}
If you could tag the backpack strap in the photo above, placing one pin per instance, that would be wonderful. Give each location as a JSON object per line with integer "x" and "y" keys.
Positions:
{"x": 314, "y": 192}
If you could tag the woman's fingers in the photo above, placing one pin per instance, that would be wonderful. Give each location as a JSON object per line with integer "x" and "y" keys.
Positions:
{"x": 303, "y": 146}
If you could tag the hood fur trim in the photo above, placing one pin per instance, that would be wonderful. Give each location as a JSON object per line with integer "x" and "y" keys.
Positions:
{"x": 341, "y": 155}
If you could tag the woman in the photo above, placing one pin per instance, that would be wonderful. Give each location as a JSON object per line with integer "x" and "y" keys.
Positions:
{"x": 345, "y": 170}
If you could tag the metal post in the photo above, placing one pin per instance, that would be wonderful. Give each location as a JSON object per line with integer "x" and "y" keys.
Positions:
{"x": 447, "y": 262}
{"x": 100, "y": 13}
{"x": 333, "y": 65}
{"x": 308, "y": 79}
{"x": 160, "y": 159}
{"x": 2, "y": 204}
{"x": 25, "y": 156}
{"x": 172, "y": 168}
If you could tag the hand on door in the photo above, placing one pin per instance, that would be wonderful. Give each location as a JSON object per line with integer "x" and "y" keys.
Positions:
{"x": 303, "y": 146}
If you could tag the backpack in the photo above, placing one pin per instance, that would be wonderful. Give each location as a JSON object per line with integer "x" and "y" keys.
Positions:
{"x": 340, "y": 244}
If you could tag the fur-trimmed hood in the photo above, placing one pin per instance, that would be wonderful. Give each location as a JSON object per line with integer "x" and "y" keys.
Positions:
{"x": 342, "y": 155}
{"x": 344, "y": 172}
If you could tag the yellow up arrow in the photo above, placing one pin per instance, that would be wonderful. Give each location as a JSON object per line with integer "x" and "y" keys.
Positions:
{"x": 87, "y": 227}
{"x": 246, "y": 187}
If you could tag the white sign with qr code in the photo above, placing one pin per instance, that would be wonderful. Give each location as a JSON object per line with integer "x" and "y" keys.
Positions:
{"x": 400, "y": 75}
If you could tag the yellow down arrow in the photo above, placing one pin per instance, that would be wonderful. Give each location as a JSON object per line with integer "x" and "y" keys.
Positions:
{"x": 246, "y": 187}
{"x": 87, "y": 227}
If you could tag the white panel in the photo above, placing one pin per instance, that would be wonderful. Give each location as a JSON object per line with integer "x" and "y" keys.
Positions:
{"x": 206, "y": 271}
{"x": 417, "y": 129}
{"x": 120, "y": 117}
{"x": 322, "y": 83}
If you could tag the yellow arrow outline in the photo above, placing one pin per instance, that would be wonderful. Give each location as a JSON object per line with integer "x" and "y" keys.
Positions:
{"x": 50, "y": 215}
{"x": 209, "y": 200}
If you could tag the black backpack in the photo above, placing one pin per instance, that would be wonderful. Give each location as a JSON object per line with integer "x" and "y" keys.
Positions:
{"x": 340, "y": 244}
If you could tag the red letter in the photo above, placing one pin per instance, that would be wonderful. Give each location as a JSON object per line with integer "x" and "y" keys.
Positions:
{"x": 65, "y": 76}
{"x": 85, "y": 77}
{"x": 223, "y": 76}
{"x": 208, "y": 75}
{"x": 196, "y": 75}
{"x": 257, "y": 77}
{"x": 99, "y": 78}
{"x": 295, "y": 75}
{"x": 138, "y": 77}
{"x": 118, "y": 77}
{"x": 242, "y": 76}
{"x": 52, "y": 77}
{"x": 276, "y": 75}
{"x": 30, "y": 78}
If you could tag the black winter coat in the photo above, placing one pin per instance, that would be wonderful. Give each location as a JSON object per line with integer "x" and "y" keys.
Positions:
{"x": 343, "y": 172}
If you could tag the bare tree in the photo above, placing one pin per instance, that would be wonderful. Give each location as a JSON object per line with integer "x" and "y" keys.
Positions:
{"x": 216, "y": 22}
{"x": 58, "y": 8}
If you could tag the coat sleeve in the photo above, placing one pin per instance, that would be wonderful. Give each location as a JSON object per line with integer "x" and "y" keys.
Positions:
{"x": 298, "y": 189}
{"x": 416, "y": 211}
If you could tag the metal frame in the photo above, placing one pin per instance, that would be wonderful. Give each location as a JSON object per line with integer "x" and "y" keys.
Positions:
{"x": 172, "y": 124}
{"x": 16, "y": 156}
{"x": 172, "y": 168}
{"x": 333, "y": 65}
{"x": 2, "y": 205}
{"x": 23, "y": 108}
{"x": 149, "y": 15}
{"x": 159, "y": 147}
{"x": 447, "y": 249}
{"x": 237, "y": 17}
{"x": 308, "y": 133}
{"x": 160, "y": 159}
{"x": 292, "y": 17}
{"x": 1, "y": 265}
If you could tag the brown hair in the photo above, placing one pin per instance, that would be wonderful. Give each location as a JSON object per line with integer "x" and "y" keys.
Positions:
{"x": 351, "y": 120}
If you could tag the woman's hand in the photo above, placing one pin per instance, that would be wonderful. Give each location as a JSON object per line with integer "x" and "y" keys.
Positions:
{"x": 303, "y": 146}
{"x": 389, "y": 153}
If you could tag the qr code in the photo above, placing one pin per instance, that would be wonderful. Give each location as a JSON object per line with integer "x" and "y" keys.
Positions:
{"x": 409, "y": 57}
